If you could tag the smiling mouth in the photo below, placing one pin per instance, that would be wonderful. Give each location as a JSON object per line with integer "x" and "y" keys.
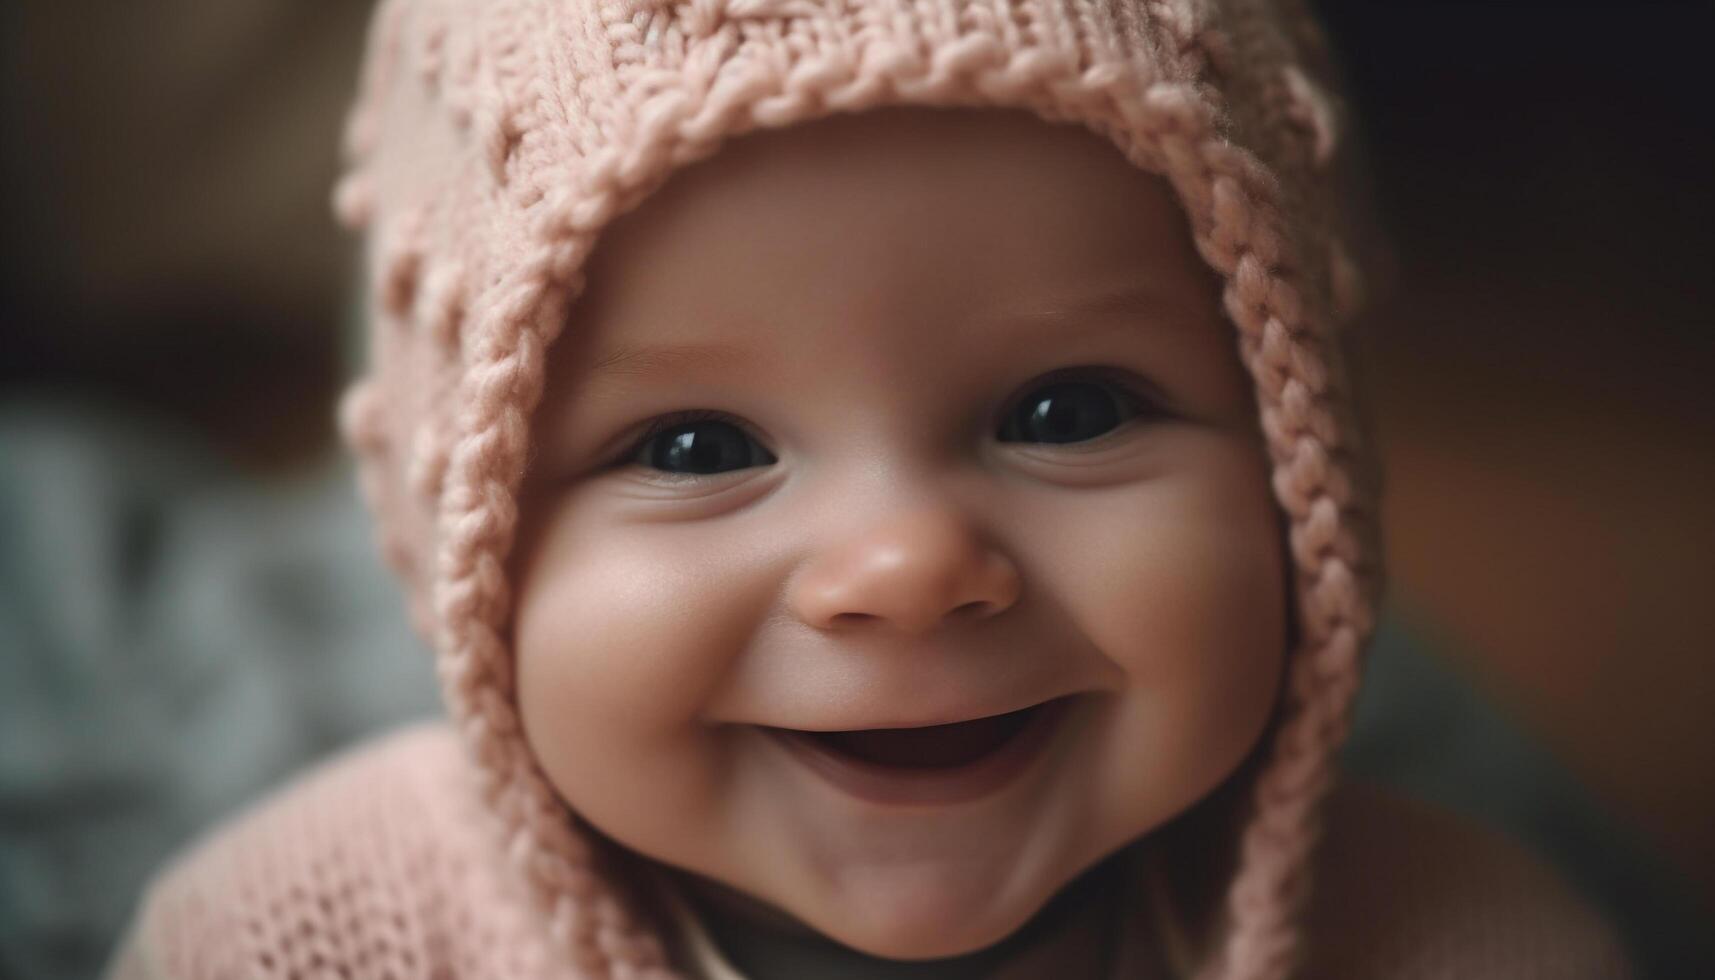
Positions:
{"x": 932, "y": 765}
{"x": 929, "y": 747}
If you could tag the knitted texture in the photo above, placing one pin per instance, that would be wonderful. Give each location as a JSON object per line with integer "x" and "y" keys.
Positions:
{"x": 379, "y": 864}
{"x": 373, "y": 865}
{"x": 494, "y": 139}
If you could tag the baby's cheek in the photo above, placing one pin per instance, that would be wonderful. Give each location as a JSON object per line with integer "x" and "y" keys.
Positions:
{"x": 1164, "y": 580}
{"x": 619, "y": 643}
{"x": 1188, "y": 604}
{"x": 626, "y": 627}
{"x": 1224, "y": 605}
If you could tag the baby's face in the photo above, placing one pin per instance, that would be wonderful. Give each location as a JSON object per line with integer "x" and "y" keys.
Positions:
{"x": 968, "y": 435}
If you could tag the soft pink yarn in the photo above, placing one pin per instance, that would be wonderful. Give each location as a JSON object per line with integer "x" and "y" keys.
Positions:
{"x": 494, "y": 139}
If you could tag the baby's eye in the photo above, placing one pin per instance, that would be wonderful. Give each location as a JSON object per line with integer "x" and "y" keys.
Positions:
{"x": 1069, "y": 411}
{"x": 698, "y": 443}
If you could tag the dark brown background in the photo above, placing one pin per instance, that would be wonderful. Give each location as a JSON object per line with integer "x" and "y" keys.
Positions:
{"x": 1542, "y": 374}
{"x": 1540, "y": 371}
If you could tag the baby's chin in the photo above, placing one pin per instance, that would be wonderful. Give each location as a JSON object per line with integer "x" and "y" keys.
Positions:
{"x": 910, "y": 913}
{"x": 922, "y": 925}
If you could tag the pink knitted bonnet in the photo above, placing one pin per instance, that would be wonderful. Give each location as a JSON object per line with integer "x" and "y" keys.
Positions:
{"x": 493, "y": 140}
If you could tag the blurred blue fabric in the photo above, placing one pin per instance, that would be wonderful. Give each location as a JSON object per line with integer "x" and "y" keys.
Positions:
{"x": 176, "y": 637}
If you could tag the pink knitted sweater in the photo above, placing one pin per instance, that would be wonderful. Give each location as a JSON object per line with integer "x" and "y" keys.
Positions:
{"x": 375, "y": 864}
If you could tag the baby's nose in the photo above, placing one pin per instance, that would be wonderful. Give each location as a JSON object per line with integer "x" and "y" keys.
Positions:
{"x": 912, "y": 571}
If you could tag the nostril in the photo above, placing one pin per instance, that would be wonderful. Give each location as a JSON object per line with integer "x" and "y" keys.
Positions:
{"x": 976, "y": 609}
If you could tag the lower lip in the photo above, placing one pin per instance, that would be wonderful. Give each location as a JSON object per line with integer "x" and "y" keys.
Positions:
{"x": 899, "y": 786}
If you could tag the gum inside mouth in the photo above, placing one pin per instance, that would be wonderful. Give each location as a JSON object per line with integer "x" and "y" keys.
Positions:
{"x": 930, "y": 747}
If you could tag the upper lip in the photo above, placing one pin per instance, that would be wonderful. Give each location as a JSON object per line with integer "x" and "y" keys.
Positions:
{"x": 930, "y": 722}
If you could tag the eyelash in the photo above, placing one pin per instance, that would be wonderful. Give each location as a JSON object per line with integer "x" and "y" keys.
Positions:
{"x": 662, "y": 423}
{"x": 1139, "y": 397}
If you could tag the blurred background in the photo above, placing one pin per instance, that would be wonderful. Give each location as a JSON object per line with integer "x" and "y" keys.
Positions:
{"x": 190, "y": 607}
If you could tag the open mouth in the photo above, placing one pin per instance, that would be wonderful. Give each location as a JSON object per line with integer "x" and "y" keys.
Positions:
{"x": 930, "y": 747}
{"x": 934, "y": 764}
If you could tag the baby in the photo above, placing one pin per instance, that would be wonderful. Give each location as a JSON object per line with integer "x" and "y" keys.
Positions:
{"x": 883, "y": 489}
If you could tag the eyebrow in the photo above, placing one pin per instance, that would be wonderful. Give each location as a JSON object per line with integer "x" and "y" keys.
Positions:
{"x": 1110, "y": 308}
{"x": 1115, "y": 305}
{"x": 635, "y": 362}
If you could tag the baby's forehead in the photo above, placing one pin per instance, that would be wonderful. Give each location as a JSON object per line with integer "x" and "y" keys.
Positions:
{"x": 1071, "y": 321}
{"x": 872, "y": 222}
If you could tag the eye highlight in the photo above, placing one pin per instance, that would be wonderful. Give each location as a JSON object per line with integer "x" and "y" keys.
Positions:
{"x": 1073, "y": 406}
{"x": 698, "y": 443}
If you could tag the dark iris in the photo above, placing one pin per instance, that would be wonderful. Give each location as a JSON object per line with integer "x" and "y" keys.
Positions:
{"x": 1071, "y": 411}
{"x": 704, "y": 448}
